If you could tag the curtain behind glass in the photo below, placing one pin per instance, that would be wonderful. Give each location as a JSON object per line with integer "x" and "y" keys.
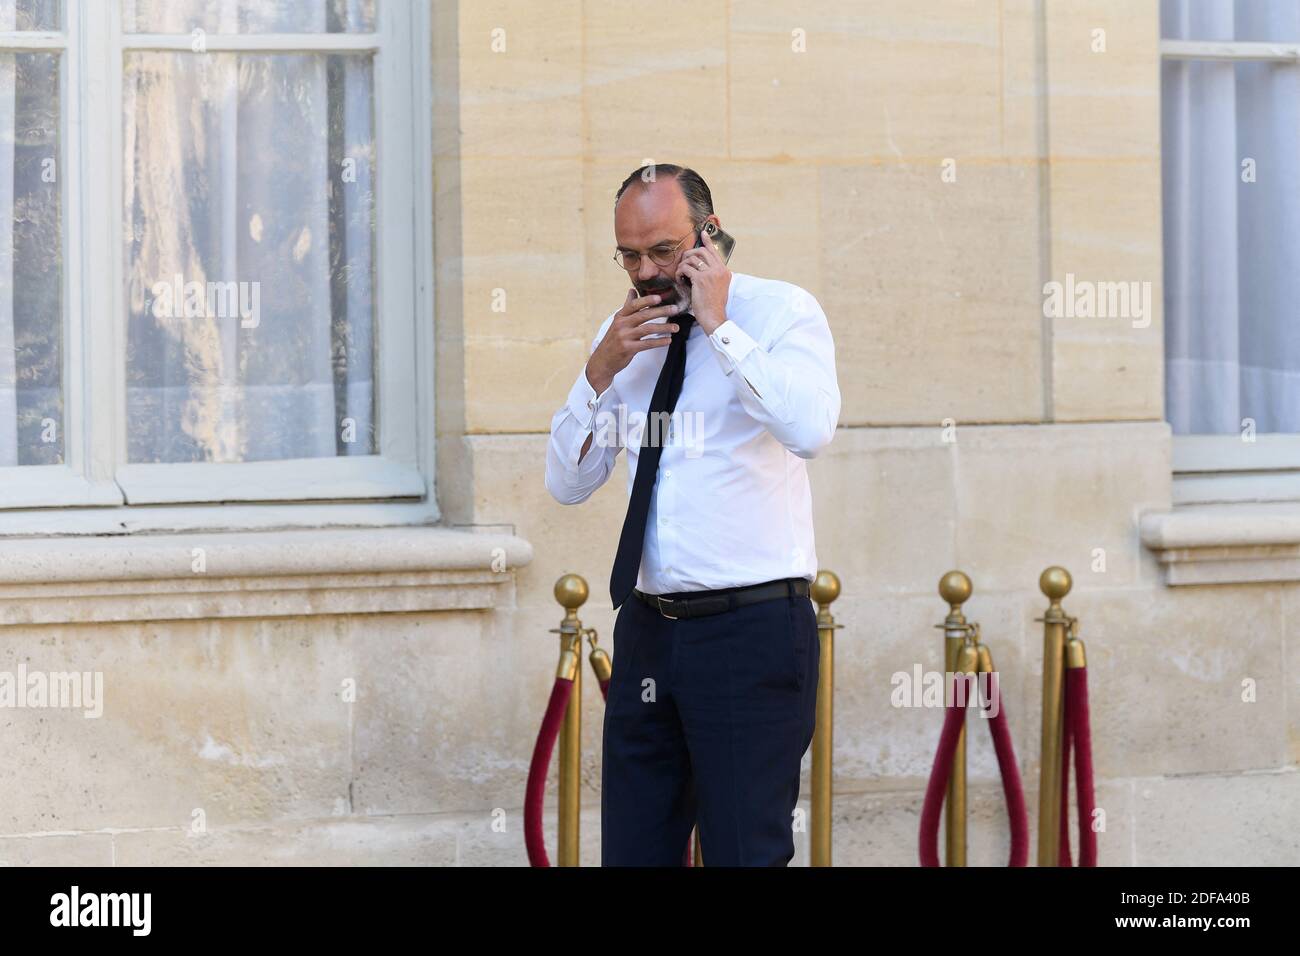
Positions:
{"x": 1232, "y": 248}
{"x": 31, "y": 258}
{"x": 237, "y": 177}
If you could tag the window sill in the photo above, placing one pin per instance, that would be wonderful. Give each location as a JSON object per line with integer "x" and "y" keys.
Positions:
{"x": 326, "y": 479}
{"x": 256, "y": 574}
{"x": 1237, "y": 543}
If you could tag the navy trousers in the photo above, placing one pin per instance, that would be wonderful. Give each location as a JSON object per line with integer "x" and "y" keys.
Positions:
{"x": 707, "y": 721}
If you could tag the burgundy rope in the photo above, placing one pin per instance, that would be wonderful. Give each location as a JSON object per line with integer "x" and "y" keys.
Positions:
{"x": 1017, "y": 818}
{"x": 534, "y": 840}
{"x": 954, "y": 718}
{"x": 1067, "y": 741}
{"x": 1076, "y": 682}
{"x": 1077, "y": 735}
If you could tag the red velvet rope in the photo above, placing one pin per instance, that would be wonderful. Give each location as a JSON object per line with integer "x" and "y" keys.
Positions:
{"x": 534, "y": 840}
{"x": 1076, "y": 686}
{"x": 1067, "y": 741}
{"x": 953, "y": 720}
{"x": 1017, "y": 818}
{"x": 1077, "y": 734}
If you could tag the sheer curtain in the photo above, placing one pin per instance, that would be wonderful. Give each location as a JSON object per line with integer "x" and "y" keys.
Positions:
{"x": 8, "y": 364}
{"x": 31, "y": 260}
{"x": 250, "y": 171}
{"x": 1232, "y": 246}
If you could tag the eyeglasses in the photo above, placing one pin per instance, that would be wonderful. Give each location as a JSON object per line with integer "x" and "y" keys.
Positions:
{"x": 630, "y": 260}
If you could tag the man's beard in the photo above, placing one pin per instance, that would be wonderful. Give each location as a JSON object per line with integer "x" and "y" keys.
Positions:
{"x": 659, "y": 286}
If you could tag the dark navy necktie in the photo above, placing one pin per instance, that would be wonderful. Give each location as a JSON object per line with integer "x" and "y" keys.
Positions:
{"x": 627, "y": 562}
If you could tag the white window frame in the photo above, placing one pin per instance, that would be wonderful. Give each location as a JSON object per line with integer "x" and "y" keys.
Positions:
{"x": 97, "y": 491}
{"x": 1230, "y": 468}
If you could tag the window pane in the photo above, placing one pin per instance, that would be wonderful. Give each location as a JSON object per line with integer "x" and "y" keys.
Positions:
{"x": 1231, "y": 158}
{"x": 26, "y": 16}
{"x": 1276, "y": 21}
{"x": 250, "y": 237}
{"x": 248, "y": 16}
{"x": 31, "y": 262}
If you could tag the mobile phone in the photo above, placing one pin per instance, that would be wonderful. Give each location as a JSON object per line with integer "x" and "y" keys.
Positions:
{"x": 722, "y": 241}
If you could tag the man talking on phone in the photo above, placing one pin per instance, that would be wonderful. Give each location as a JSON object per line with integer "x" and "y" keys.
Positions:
{"x": 711, "y": 704}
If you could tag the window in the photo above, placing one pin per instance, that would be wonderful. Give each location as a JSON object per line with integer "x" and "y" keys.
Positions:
{"x": 210, "y": 267}
{"x": 31, "y": 255}
{"x": 1231, "y": 159}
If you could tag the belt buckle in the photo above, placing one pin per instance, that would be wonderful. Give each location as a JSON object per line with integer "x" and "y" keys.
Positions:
{"x": 659, "y": 599}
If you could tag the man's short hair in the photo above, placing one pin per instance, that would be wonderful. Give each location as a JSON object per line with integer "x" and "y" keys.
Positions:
{"x": 694, "y": 188}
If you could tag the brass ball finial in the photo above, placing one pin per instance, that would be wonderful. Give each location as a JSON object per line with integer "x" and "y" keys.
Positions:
{"x": 1055, "y": 582}
{"x": 825, "y": 587}
{"x": 955, "y": 588}
{"x": 571, "y": 591}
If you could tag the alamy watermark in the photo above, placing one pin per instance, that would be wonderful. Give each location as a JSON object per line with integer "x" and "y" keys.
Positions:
{"x": 129, "y": 910}
{"x": 628, "y": 428}
{"x": 945, "y": 689}
{"x": 1084, "y": 299}
{"x": 73, "y": 690}
{"x": 179, "y": 299}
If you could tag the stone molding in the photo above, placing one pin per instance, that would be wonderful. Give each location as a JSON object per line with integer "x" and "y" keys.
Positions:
{"x": 1238, "y": 543}
{"x": 210, "y": 575}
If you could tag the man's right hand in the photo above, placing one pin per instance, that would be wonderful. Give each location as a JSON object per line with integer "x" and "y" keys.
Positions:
{"x": 627, "y": 336}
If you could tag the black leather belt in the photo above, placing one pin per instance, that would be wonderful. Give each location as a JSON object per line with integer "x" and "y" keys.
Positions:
{"x": 684, "y": 604}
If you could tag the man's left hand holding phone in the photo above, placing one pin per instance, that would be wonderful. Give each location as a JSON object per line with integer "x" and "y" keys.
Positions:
{"x": 705, "y": 272}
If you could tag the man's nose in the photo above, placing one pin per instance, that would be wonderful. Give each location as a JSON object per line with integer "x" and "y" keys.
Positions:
{"x": 647, "y": 270}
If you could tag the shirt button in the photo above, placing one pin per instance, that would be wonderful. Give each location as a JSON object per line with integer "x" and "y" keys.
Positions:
{"x": 726, "y": 341}
{"x": 668, "y": 472}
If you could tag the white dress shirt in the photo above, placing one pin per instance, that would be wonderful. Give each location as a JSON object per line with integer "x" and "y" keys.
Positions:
{"x": 731, "y": 505}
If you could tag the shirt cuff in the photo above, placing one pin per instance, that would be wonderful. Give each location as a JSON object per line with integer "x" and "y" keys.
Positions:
{"x": 583, "y": 401}
{"x": 731, "y": 340}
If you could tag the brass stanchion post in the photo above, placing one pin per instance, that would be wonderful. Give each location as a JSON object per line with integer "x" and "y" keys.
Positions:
{"x": 955, "y": 588}
{"x": 571, "y": 591}
{"x": 825, "y": 589}
{"x": 1055, "y": 583}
